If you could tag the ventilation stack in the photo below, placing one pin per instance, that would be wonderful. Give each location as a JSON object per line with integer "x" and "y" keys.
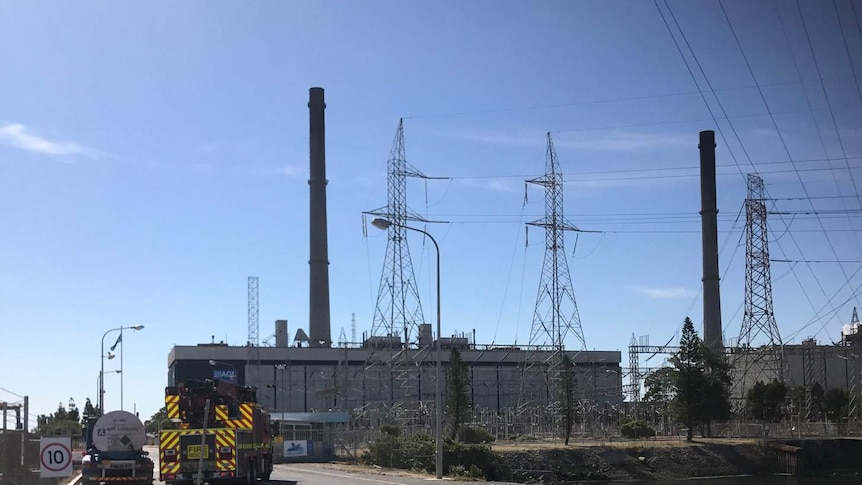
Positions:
{"x": 318, "y": 310}
{"x": 709, "y": 233}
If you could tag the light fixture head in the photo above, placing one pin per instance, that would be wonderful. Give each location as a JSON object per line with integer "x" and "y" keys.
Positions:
{"x": 381, "y": 223}
{"x": 137, "y": 327}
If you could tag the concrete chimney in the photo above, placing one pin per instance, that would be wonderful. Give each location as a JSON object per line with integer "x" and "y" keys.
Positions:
{"x": 281, "y": 333}
{"x": 709, "y": 233}
{"x": 318, "y": 309}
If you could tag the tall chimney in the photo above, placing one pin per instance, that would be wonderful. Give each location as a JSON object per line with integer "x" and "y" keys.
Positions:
{"x": 318, "y": 309}
{"x": 709, "y": 233}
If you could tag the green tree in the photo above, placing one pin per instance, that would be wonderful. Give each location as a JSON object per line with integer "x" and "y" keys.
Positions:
{"x": 835, "y": 402}
{"x": 89, "y": 412}
{"x": 73, "y": 414}
{"x": 566, "y": 398}
{"x": 716, "y": 392}
{"x": 58, "y": 423}
{"x": 690, "y": 379}
{"x": 660, "y": 386}
{"x": 160, "y": 421}
{"x": 764, "y": 401}
{"x": 817, "y": 408}
{"x": 459, "y": 408}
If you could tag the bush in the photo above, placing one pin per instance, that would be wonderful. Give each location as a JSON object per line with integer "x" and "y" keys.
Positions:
{"x": 475, "y": 435}
{"x": 474, "y": 461}
{"x": 636, "y": 429}
{"x": 415, "y": 452}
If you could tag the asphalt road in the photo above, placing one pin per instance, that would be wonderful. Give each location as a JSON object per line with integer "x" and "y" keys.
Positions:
{"x": 312, "y": 474}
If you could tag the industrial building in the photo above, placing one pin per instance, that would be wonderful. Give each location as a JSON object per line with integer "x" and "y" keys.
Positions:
{"x": 300, "y": 378}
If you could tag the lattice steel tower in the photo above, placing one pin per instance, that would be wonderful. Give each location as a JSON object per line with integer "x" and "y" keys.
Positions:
{"x": 766, "y": 363}
{"x": 253, "y": 321}
{"x": 758, "y": 318}
{"x": 556, "y": 313}
{"x": 398, "y": 311}
{"x": 253, "y": 355}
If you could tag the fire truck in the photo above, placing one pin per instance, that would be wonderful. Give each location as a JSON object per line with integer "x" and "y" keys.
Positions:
{"x": 222, "y": 434}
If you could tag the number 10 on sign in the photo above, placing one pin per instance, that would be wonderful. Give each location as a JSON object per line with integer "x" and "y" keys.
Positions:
{"x": 55, "y": 455}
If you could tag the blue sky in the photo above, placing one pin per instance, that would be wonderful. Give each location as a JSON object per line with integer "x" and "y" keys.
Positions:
{"x": 153, "y": 155}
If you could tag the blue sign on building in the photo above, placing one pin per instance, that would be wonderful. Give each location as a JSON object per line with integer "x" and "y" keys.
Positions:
{"x": 225, "y": 375}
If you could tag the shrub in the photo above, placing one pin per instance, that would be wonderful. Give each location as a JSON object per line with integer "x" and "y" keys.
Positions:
{"x": 414, "y": 452}
{"x": 475, "y": 435}
{"x": 474, "y": 461}
{"x": 636, "y": 429}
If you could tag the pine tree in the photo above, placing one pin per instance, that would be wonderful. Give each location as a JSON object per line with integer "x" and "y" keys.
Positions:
{"x": 566, "y": 399}
{"x": 716, "y": 403}
{"x": 89, "y": 411}
{"x": 459, "y": 408}
{"x": 690, "y": 377}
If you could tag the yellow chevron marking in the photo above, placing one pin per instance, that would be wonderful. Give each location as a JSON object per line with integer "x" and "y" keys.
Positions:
{"x": 172, "y": 403}
{"x": 221, "y": 412}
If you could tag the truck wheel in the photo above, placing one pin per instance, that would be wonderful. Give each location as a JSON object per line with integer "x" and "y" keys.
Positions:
{"x": 267, "y": 469}
{"x": 251, "y": 473}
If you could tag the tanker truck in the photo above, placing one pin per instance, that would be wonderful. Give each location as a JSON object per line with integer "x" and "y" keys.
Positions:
{"x": 115, "y": 450}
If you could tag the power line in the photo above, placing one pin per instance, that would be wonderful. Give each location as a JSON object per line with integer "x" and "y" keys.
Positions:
{"x": 668, "y": 169}
{"x": 10, "y": 392}
{"x": 781, "y": 136}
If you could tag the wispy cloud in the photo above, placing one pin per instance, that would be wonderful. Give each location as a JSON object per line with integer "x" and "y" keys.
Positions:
{"x": 658, "y": 293}
{"x": 609, "y": 140}
{"x": 292, "y": 171}
{"x": 620, "y": 140}
{"x": 18, "y": 136}
{"x": 494, "y": 185}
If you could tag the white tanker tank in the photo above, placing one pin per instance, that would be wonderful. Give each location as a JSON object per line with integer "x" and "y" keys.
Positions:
{"x": 115, "y": 451}
{"x": 119, "y": 431}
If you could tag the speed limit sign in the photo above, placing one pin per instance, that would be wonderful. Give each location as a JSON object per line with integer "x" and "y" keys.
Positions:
{"x": 55, "y": 454}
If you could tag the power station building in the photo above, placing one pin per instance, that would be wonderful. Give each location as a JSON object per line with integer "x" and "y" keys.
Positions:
{"x": 382, "y": 373}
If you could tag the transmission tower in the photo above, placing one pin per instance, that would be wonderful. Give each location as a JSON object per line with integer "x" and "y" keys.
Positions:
{"x": 556, "y": 313}
{"x": 766, "y": 363}
{"x": 398, "y": 311}
{"x": 253, "y": 323}
{"x": 253, "y": 326}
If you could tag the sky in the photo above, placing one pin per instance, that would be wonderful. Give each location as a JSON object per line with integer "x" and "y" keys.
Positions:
{"x": 153, "y": 155}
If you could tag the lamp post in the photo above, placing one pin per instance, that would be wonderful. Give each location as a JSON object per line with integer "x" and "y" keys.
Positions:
{"x": 102, "y": 372}
{"x": 235, "y": 372}
{"x": 281, "y": 367}
{"x": 383, "y": 224}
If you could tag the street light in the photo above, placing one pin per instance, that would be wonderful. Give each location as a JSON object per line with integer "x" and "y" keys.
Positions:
{"x": 235, "y": 372}
{"x": 110, "y": 356}
{"x": 383, "y": 224}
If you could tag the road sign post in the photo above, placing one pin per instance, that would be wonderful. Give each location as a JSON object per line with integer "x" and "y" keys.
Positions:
{"x": 55, "y": 456}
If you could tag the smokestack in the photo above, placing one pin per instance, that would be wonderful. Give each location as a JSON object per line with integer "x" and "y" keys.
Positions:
{"x": 318, "y": 309}
{"x": 709, "y": 233}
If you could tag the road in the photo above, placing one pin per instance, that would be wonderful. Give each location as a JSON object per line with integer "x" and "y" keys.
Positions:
{"x": 315, "y": 474}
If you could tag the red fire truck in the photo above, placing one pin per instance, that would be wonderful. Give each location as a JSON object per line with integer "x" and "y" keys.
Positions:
{"x": 222, "y": 434}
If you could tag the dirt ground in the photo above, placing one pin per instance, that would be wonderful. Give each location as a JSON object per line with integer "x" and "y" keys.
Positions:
{"x": 530, "y": 462}
{"x": 641, "y": 460}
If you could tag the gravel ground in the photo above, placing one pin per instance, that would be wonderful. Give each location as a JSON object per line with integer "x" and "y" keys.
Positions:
{"x": 637, "y": 463}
